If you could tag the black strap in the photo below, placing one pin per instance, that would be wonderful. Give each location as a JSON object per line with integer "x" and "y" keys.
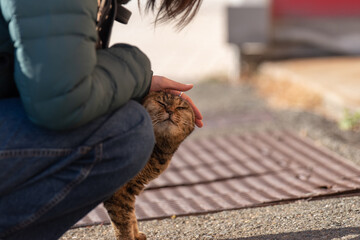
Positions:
{"x": 6, "y": 61}
{"x": 123, "y": 1}
{"x": 122, "y": 14}
{"x": 7, "y": 76}
{"x": 113, "y": 10}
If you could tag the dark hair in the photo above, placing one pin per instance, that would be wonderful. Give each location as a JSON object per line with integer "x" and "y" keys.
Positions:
{"x": 180, "y": 11}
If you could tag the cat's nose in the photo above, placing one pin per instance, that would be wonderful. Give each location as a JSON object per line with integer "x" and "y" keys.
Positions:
{"x": 169, "y": 112}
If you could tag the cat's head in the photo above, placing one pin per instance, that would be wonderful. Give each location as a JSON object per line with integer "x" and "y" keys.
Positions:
{"x": 172, "y": 117}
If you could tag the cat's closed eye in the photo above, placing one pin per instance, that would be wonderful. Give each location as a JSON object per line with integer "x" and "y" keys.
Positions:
{"x": 182, "y": 108}
{"x": 162, "y": 104}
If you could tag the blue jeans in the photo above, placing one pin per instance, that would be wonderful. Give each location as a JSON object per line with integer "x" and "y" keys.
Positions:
{"x": 49, "y": 180}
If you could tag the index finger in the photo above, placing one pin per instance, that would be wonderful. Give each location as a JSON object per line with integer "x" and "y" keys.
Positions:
{"x": 173, "y": 85}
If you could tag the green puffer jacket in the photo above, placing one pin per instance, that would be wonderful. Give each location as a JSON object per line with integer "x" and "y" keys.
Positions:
{"x": 63, "y": 81}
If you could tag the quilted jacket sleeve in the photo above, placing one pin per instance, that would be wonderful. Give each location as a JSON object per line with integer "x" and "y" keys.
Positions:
{"x": 63, "y": 81}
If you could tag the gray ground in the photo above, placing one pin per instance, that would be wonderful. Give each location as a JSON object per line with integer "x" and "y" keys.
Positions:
{"x": 337, "y": 218}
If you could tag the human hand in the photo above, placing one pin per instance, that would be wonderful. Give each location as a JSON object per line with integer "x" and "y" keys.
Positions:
{"x": 160, "y": 83}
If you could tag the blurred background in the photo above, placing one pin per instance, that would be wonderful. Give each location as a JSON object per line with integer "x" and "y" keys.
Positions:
{"x": 298, "y": 54}
{"x": 281, "y": 29}
{"x": 198, "y": 52}
{"x": 226, "y": 31}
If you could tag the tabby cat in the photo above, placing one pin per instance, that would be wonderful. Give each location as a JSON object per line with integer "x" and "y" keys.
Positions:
{"x": 173, "y": 120}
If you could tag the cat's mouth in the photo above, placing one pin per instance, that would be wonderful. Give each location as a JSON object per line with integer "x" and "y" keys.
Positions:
{"x": 170, "y": 120}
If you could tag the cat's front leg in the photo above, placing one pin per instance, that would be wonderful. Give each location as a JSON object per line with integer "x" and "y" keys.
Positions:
{"x": 120, "y": 208}
{"x": 138, "y": 235}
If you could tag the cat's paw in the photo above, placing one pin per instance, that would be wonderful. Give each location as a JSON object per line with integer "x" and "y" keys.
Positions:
{"x": 140, "y": 236}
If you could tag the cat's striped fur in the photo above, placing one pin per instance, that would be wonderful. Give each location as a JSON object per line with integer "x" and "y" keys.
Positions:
{"x": 173, "y": 120}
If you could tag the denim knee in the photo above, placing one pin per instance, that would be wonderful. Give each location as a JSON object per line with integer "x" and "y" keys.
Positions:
{"x": 129, "y": 146}
{"x": 143, "y": 137}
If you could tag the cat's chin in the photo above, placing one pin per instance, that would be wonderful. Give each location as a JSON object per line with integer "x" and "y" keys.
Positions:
{"x": 167, "y": 127}
{"x": 170, "y": 131}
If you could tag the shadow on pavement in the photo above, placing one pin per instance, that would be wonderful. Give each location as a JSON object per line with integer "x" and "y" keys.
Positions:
{"x": 351, "y": 233}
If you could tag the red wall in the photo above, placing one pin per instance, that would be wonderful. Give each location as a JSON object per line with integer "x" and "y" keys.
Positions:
{"x": 303, "y": 8}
